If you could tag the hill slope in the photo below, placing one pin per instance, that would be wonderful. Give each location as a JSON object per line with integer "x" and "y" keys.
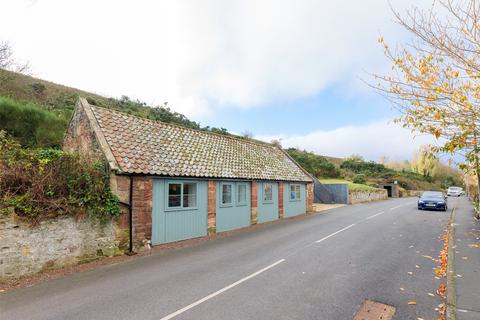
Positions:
{"x": 23, "y": 98}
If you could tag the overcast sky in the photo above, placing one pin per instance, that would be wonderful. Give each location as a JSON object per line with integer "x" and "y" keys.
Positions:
{"x": 278, "y": 69}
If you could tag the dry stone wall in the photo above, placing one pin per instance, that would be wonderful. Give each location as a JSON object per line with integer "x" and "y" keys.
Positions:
{"x": 26, "y": 250}
{"x": 367, "y": 196}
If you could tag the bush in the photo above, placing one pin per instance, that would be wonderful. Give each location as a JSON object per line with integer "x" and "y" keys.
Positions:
{"x": 32, "y": 125}
{"x": 314, "y": 164}
{"x": 359, "y": 178}
{"x": 39, "y": 184}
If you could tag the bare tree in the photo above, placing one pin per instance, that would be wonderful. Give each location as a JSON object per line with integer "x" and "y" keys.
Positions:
{"x": 7, "y": 62}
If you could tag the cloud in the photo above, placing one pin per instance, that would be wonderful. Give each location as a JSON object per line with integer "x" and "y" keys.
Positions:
{"x": 202, "y": 55}
{"x": 372, "y": 141}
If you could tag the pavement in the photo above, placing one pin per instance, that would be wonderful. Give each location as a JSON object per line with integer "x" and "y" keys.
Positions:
{"x": 467, "y": 262}
{"x": 321, "y": 266}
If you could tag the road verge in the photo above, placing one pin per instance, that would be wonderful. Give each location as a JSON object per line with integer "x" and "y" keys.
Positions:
{"x": 451, "y": 313}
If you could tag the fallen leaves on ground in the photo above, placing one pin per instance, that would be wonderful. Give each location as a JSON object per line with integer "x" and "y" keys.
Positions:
{"x": 412, "y": 303}
{"x": 441, "y": 272}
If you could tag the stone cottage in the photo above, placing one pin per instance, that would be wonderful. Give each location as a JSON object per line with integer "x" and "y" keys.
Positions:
{"x": 178, "y": 183}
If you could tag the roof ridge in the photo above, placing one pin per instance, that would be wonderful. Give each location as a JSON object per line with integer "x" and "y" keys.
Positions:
{"x": 229, "y": 135}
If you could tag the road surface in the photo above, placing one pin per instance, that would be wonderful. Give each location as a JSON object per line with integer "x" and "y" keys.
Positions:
{"x": 317, "y": 267}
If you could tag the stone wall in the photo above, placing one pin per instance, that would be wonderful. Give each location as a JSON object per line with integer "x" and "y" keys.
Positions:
{"x": 81, "y": 138}
{"x": 142, "y": 210}
{"x": 280, "y": 200}
{"x": 26, "y": 250}
{"x": 212, "y": 206}
{"x": 309, "y": 198}
{"x": 367, "y": 196}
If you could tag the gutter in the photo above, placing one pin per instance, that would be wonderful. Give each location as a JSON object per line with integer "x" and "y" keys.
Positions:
{"x": 129, "y": 205}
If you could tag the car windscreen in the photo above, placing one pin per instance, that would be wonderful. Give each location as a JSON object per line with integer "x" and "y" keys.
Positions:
{"x": 432, "y": 195}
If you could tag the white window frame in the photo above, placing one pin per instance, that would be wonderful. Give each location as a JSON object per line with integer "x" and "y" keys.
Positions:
{"x": 264, "y": 193}
{"x": 238, "y": 202}
{"x": 181, "y": 207}
{"x": 232, "y": 194}
{"x": 297, "y": 193}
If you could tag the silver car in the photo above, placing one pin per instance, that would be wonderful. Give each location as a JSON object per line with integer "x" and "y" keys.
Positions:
{"x": 454, "y": 191}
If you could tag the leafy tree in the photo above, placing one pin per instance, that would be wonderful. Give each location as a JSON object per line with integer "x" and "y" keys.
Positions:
{"x": 425, "y": 163}
{"x": 435, "y": 83}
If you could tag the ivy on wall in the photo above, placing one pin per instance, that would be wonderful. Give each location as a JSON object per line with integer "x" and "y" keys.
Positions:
{"x": 40, "y": 184}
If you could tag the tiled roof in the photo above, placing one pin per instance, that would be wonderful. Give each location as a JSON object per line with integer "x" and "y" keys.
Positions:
{"x": 151, "y": 147}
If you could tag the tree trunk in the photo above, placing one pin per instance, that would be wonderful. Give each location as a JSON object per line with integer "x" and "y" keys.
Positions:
{"x": 476, "y": 164}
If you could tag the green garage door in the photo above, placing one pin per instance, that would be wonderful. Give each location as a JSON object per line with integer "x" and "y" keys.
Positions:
{"x": 233, "y": 205}
{"x": 294, "y": 202}
{"x": 267, "y": 201}
{"x": 179, "y": 210}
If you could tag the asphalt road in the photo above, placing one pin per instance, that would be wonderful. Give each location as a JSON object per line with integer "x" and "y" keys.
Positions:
{"x": 318, "y": 267}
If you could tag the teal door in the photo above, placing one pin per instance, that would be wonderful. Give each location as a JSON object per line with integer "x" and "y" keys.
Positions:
{"x": 294, "y": 199}
{"x": 233, "y": 205}
{"x": 179, "y": 210}
{"x": 267, "y": 201}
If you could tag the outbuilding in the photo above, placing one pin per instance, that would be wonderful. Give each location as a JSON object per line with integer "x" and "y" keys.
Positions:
{"x": 180, "y": 183}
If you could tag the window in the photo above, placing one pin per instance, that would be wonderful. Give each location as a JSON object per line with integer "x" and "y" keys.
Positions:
{"x": 267, "y": 192}
{"x": 189, "y": 195}
{"x": 226, "y": 194}
{"x": 294, "y": 192}
{"x": 174, "y": 195}
{"x": 242, "y": 194}
{"x": 182, "y": 195}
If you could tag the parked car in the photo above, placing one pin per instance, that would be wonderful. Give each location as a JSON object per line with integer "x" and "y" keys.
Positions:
{"x": 454, "y": 192}
{"x": 433, "y": 200}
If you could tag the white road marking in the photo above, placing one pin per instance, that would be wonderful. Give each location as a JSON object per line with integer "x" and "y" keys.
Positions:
{"x": 337, "y": 232}
{"x": 373, "y": 216}
{"x": 395, "y": 207}
{"x": 216, "y": 293}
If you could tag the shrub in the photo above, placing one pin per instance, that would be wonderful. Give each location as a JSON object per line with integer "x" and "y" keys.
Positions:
{"x": 315, "y": 164}
{"x": 39, "y": 184}
{"x": 32, "y": 125}
{"x": 359, "y": 178}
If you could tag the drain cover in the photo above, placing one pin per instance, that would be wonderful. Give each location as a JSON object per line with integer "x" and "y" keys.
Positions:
{"x": 372, "y": 310}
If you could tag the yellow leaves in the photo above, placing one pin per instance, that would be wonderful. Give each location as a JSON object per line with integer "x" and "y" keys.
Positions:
{"x": 455, "y": 74}
{"x": 445, "y": 86}
{"x": 437, "y": 132}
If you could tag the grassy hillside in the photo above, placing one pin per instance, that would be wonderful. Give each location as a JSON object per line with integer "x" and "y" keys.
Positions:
{"x": 43, "y": 99}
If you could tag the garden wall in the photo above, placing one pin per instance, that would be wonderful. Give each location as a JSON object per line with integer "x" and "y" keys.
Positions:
{"x": 367, "y": 195}
{"x": 26, "y": 250}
